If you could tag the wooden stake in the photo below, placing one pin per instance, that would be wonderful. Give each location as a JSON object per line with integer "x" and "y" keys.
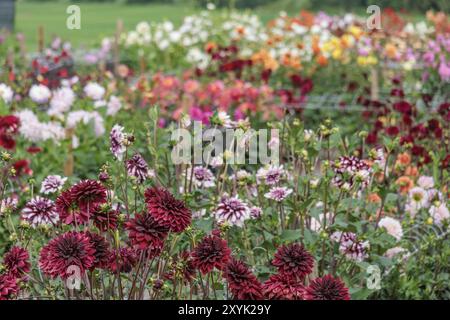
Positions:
{"x": 374, "y": 85}
{"x": 41, "y": 39}
{"x": 119, "y": 29}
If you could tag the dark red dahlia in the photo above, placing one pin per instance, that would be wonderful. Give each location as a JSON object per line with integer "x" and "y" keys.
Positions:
{"x": 68, "y": 210}
{"x": 327, "y": 288}
{"x": 101, "y": 247}
{"x": 67, "y": 250}
{"x": 145, "y": 231}
{"x": 212, "y": 252}
{"x": 76, "y": 204}
{"x": 167, "y": 210}
{"x": 22, "y": 167}
{"x": 17, "y": 262}
{"x": 122, "y": 260}
{"x": 242, "y": 282}
{"x": 8, "y": 127}
{"x": 104, "y": 218}
{"x": 293, "y": 261}
{"x": 88, "y": 193}
{"x": 182, "y": 267}
{"x": 280, "y": 287}
{"x": 8, "y": 287}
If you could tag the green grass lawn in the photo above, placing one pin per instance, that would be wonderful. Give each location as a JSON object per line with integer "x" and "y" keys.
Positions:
{"x": 97, "y": 19}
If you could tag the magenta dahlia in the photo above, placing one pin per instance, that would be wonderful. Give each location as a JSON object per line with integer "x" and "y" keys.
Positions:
{"x": 17, "y": 262}
{"x": 242, "y": 283}
{"x": 279, "y": 287}
{"x": 40, "y": 211}
{"x": 327, "y": 288}
{"x": 212, "y": 252}
{"x": 145, "y": 231}
{"x": 167, "y": 210}
{"x": 69, "y": 249}
{"x": 8, "y": 287}
{"x": 122, "y": 260}
{"x": 293, "y": 261}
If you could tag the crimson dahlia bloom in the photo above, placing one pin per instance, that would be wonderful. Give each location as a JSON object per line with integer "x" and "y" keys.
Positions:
{"x": 88, "y": 193}
{"x": 122, "y": 260}
{"x": 167, "y": 210}
{"x": 183, "y": 267}
{"x": 17, "y": 262}
{"x": 327, "y": 288}
{"x": 212, "y": 252}
{"x": 279, "y": 287}
{"x": 76, "y": 204}
{"x": 293, "y": 261}
{"x": 104, "y": 218}
{"x": 101, "y": 247}
{"x": 8, "y": 287}
{"x": 69, "y": 249}
{"x": 242, "y": 282}
{"x": 145, "y": 231}
{"x": 8, "y": 127}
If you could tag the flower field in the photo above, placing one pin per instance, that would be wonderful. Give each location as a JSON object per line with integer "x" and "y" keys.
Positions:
{"x": 96, "y": 202}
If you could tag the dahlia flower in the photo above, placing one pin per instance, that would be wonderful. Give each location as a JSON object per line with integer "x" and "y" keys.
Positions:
{"x": 350, "y": 245}
{"x": 350, "y": 171}
{"x": 122, "y": 260}
{"x": 52, "y": 184}
{"x": 8, "y": 204}
{"x": 166, "y": 210}
{"x": 201, "y": 177}
{"x": 137, "y": 167}
{"x": 113, "y": 106}
{"x": 242, "y": 283}
{"x": 212, "y": 252}
{"x": 233, "y": 211}
{"x": 104, "y": 218}
{"x": 327, "y": 288}
{"x": 6, "y": 94}
{"x": 183, "y": 267}
{"x": 36, "y": 131}
{"x": 76, "y": 204}
{"x": 94, "y": 91}
{"x": 40, "y": 93}
{"x": 392, "y": 226}
{"x": 40, "y": 211}
{"x": 279, "y": 287}
{"x": 392, "y": 252}
{"x": 271, "y": 175}
{"x": 8, "y": 287}
{"x": 61, "y": 101}
{"x": 9, "y": 126}
{"x": 278, "y": 194}
{"x": 439, "y": 213}
{"x": 418, "y": 197}
{"x": 425, "y": 182}
{"x": 69, "y": 249}
{"x": 101, "y": 247}
{"x": 17, "y": 262}
{"x": 255, "y": 212}
{"x": 117, "y": 141}
{"x": 145, "y": 231}
{"x": 293, "y": 261}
